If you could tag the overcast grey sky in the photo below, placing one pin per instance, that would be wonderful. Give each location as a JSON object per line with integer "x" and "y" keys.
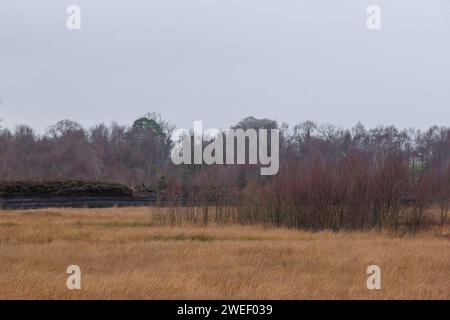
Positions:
{"x": 221, "y": 60}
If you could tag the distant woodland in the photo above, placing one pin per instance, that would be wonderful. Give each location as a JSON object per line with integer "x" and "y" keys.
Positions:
{"x": 330, "y": 177}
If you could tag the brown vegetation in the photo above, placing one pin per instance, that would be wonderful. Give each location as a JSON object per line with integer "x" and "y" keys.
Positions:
{"x": 143, "y": 253}
{"x": 329, "y": 178}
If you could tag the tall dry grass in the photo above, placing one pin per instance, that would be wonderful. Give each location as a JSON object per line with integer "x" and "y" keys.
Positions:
{"x": 139, "y": 253}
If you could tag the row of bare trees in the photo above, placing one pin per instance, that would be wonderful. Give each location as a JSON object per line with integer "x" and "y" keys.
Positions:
{"x": 329, "y": 177}
{"x": 332, "y": 178}
{"x": 354, "y": 194}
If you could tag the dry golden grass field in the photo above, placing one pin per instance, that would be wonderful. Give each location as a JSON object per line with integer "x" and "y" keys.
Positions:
{"x": 124, "y": 254}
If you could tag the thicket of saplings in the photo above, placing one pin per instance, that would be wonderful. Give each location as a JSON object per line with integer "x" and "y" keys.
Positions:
{"x": 333, "y": 179}
{"x": 62, "y": 188}
{"x": 355, "y": 193}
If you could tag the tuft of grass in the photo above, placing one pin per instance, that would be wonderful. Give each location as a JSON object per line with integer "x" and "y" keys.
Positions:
{"x": 118, "y": 224}
{"x": 201, "y": 238}
{"x": 180, "y": 237}
{"x": 8, "y": 224}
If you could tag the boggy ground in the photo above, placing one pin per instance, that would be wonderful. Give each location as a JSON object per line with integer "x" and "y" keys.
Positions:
{"x": 124, "y": 254}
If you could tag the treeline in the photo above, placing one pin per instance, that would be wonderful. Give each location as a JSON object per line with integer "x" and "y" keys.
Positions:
{"x": 329, "y": 177}
{"x": 132, "y": 155}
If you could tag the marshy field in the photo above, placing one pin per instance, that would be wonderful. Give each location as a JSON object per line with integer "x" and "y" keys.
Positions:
{"x": 131, "y": 253}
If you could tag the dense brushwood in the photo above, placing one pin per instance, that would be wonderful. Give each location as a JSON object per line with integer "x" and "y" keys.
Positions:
{"x": 29, "y": 188}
